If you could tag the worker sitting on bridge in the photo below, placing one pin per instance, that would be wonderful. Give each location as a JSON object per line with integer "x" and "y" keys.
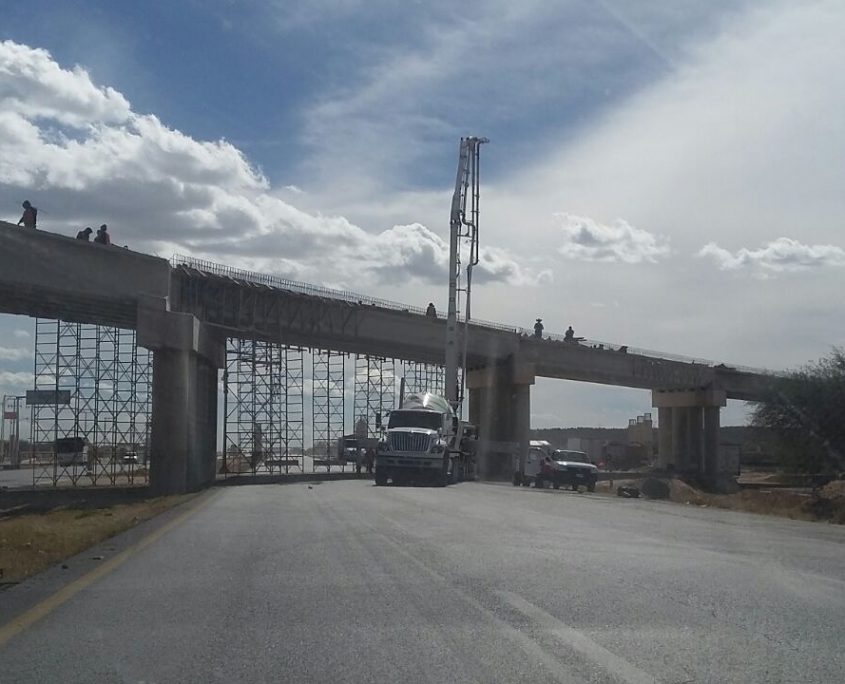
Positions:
{"x": 569, "y": 336}
{"x": 430, "y": 311}
{"x": 538, "y": 328}
{"x": 85, "y": 234}
{"x": 30, "y": 215}
{"x": 102, "y": 236}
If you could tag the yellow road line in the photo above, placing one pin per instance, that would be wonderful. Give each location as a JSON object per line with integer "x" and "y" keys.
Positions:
{"x": 26, "y": 619}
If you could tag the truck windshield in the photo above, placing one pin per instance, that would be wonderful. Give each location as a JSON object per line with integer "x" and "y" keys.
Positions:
{"x": 430, "y": 420}
{"x": 568, "y": 455}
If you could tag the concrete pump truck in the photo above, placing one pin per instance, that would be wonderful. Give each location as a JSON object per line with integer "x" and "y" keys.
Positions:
{"x": 425, "y": 440}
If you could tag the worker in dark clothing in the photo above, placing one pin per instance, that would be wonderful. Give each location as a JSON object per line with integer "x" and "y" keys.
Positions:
{"x": 85, "y": 234}
{"x": 569, "y": 336}
{"x": 30, "y": 215}
{"x": 538, "y": 328}
{"x": 102, "y": 236}
{"x": 430, "y": 311}
{"x": 370, "y": 459}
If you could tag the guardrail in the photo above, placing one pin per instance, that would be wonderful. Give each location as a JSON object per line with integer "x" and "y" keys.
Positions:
{"x": 355, "y": 298}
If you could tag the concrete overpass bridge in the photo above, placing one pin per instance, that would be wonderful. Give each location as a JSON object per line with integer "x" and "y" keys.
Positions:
{"x": 185, "y": 309}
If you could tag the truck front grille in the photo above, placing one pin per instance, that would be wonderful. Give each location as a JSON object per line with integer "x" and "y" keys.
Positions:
{"x": 408, "y": 441}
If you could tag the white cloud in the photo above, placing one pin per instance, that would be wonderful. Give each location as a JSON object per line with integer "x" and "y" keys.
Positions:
{"x": 782, "y": 254}
{"x": 73, "y": 144}
{"x": 12, "y": 354}
{"x": 15, "y": 381}
{"x": 589, "y": 240}
{"x": 21, "y": 334}
{"x": 33, "y": 86}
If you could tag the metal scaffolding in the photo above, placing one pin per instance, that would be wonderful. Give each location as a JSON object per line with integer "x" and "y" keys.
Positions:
{"x": 423, "y": 377}
{"x": 262, "y": 408}
{"x": 90, "y": 426}
{"x": 328, "y": 405}
{"x": 375, "y": 391}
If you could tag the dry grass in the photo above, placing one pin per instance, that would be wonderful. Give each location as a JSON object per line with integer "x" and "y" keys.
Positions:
{"x": 32, "y": 543}
{"x": 830, "y": 505}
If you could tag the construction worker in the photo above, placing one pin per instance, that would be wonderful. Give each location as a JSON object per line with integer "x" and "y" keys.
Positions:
{"x": 538, "y": 328}
{"x": 569, "y": 336}
{"x": 85, "y": 234}
{"x": 102, "y": 236}
{"x": 29, "y": 217}
{"x": 430, "y": 311}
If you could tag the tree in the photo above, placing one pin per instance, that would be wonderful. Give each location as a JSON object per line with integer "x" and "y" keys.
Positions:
{"x": 805, "y": 413}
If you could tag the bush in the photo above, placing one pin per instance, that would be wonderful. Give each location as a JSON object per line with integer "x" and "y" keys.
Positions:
{"x": 805, "y": 413}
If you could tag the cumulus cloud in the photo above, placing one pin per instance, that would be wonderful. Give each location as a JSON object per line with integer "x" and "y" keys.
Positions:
{"x": 84, "y": 156}
{"x": 589, "y": 240}
{"x": 782, "y": 254}
{"x": 12, "y": 354}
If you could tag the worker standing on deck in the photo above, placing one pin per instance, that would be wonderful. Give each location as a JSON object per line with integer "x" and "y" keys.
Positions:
{"x": 29, "y": 217}
{"x": 538, "y": 328}
{"x": 102, "y": 237}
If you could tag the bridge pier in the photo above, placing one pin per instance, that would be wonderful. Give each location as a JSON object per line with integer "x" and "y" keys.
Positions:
{"x": 688, "y": 434}
{"x": 183, "y": 429}
{"x": 500, "y": 405}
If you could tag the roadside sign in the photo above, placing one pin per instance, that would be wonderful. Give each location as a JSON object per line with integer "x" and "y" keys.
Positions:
{"x": 47, "y": 397}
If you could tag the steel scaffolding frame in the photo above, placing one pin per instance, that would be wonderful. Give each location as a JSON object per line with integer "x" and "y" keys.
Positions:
{"x": 108, "y": 380}
{"x": 328, "y": 405}
{"x": 423, "y": 377}
{"x": 263, "y": 415}
{"x": 375, "y": 391}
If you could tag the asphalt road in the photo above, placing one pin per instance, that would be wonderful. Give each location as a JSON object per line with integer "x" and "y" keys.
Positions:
{"x": 346, "y": 582}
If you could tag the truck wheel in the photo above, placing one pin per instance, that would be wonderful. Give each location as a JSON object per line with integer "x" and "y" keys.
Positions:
{"x": 538, "y": 483}
{"x": 575, "y": 488}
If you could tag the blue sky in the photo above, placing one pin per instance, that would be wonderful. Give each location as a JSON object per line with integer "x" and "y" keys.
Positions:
{"x": 662, "y": 174}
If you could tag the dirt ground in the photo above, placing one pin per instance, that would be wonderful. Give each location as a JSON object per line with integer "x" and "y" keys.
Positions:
{"x": 828, "y": 505}
{"x": 31, "y": 543}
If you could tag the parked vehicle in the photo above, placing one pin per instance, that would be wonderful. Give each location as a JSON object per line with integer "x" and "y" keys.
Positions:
{"x": 546, "y": 466}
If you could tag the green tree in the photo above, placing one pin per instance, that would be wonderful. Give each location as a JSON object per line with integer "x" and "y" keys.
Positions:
{"x": 804, "y": 412}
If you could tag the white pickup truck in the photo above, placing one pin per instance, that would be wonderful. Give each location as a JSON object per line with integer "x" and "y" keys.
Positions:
{"x": 556, "y": 467}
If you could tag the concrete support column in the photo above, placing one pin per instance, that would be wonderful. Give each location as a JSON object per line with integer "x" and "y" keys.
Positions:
{"x": 500, "y": 406}
{"x": 694, "y": 438}
{"x": 664, "y": 437}
{"x": 679, "y": 440}
{"x": 695, "y": 431}
{"x": 712, "y": 465}
{"x": 522, "y": 421}
{"x": 183, "y": 429}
